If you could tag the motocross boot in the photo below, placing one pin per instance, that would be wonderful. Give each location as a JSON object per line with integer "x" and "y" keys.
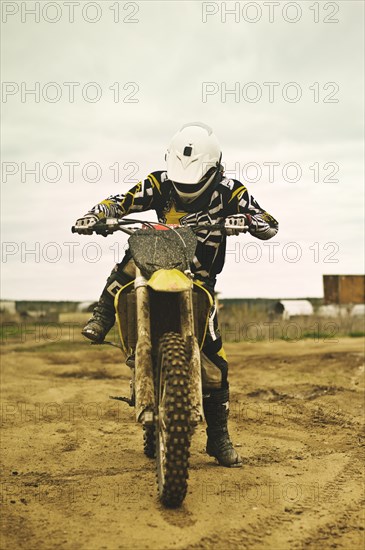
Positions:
{"x": 101, "y": 322}
{"x": 219, "y": 445}
{"x": 104, "y": 313}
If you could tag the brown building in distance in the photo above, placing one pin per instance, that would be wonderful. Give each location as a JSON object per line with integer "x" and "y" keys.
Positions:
{"x": 344, "y": 289}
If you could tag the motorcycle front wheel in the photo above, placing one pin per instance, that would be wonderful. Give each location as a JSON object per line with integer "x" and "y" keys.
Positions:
{"x": 173, "y": 432}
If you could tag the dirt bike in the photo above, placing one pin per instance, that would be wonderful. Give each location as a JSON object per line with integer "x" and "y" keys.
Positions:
{"x": 162, "y": 317}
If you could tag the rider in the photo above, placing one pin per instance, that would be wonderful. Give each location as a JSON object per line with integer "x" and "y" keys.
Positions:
{"x": 193, "y": 190}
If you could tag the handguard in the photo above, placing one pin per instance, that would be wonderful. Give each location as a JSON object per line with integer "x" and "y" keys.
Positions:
{"x": 236, "y": 224}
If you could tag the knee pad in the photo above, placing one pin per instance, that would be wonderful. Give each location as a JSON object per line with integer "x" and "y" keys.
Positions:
{"x": 122, "y": 274}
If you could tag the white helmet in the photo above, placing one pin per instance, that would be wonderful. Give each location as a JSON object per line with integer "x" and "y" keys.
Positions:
{"x": 193, "y": 159}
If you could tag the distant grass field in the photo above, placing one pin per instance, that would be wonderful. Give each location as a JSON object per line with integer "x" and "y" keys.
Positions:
{"x": 237, "y": 324}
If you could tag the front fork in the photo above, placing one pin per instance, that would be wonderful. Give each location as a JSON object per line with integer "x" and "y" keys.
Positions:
{"x": 145, "y": 395}
{"x": 144, "y": 385}
{"x": 193, "y": 352}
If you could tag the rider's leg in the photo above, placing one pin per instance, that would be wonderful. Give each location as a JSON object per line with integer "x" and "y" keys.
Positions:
{"x": 103, "y": 317}
{"x": 216, "y": 398}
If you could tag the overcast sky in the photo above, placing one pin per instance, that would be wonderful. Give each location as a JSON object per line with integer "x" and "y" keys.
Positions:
{"x": 163, "y": 62}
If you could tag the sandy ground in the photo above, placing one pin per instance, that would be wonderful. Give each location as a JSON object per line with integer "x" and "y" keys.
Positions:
{"x": 74, "y": 474}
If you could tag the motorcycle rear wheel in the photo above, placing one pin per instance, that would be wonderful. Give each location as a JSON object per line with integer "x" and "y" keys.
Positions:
{"x": 173, "y": 431}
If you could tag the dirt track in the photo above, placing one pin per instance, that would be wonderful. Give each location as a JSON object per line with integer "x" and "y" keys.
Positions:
{"x": 74, "y": 475}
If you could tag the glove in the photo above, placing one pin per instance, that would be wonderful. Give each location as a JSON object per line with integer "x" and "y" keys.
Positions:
{"x": 84, "y": 225}
{"x": 239, "y": 223}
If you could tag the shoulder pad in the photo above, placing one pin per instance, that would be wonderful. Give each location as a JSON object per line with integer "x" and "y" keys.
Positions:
{"x": 158, "y": 174}
{"x": 157, "y": 178}
{"x": 232, "y": 184}
{"x": 227, "y": 183}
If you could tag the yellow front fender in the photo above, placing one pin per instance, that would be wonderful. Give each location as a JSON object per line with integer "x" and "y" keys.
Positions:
{"x": 169, "y": 280}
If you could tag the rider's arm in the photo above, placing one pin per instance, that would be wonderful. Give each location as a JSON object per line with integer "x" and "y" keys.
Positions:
{"x": 261, "y": 224}
{"x": 139, "y": 198}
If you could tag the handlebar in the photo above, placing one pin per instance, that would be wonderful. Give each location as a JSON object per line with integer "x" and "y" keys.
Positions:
{"x": 109, "y": 226}
{"x": 120, "y": 224}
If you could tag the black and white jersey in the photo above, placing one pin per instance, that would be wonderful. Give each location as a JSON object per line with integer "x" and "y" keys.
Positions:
{"x": 229, "y": 197}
